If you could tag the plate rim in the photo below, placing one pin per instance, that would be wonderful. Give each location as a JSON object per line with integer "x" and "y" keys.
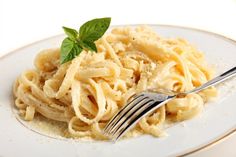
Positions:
{"x": 205, "y": 146}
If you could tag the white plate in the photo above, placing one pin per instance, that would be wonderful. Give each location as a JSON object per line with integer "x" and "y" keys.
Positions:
{"x": 217, "y": 120}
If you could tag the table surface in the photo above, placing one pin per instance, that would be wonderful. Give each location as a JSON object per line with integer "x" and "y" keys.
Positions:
{"x": 23, "y": 22}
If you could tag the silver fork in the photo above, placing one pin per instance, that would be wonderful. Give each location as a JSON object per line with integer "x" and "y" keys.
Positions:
{"x": 146, "y": 102}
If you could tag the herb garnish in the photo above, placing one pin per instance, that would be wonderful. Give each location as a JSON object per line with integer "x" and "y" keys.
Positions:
{"x": 76, "y": 41}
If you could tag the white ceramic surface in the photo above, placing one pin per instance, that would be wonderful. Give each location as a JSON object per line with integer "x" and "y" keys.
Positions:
{"x": 217, "y": 119}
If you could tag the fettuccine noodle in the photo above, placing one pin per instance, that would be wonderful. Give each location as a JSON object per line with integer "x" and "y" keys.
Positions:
{"x": 86, "y": 92}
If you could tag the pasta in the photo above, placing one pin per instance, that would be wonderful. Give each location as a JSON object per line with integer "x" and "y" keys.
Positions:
{"x": 86, "y": 92}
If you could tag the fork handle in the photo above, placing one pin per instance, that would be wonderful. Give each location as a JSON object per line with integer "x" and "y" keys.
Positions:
{"x": 226, "y": 75}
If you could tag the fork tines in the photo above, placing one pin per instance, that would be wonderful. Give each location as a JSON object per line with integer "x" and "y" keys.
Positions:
{"x": 129, "y": 115}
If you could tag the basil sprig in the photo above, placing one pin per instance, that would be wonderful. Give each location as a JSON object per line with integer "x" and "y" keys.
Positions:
{"x": 76, "y": 41}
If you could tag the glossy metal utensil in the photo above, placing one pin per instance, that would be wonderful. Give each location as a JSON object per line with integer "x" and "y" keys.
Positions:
{"x": 148, "y": 101}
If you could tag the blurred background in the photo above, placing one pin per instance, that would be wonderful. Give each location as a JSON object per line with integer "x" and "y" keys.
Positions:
{"x": 25, "y": 21}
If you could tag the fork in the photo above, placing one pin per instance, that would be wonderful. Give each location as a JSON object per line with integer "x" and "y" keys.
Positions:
{"x": 146, "y": 102}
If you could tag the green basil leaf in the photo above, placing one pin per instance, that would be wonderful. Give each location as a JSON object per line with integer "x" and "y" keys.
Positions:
{"x": 84, "y": 39}
{"x": 72, "y": 33}
{"x": 69, "y": 50}
{"x": 94, "y": 29}
{"x": 88, "y": 45}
